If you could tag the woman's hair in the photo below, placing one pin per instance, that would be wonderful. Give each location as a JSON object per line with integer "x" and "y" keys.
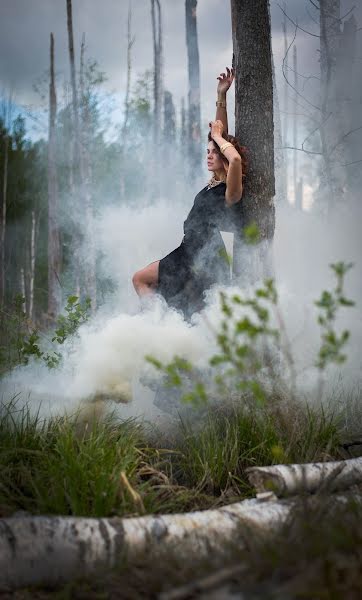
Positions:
{"x": 242, "y": 150}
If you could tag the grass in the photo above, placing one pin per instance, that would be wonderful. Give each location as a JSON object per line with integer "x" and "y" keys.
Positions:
{"x": 106, "y": 468}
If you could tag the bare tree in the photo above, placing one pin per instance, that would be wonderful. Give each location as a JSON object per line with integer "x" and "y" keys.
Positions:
{"x": 90, "y": 279}
{"x": 194, "y": 110}
{"x": 54, "y": 246}
{"x": 183, "y": 132}
{"x": 286, "y": 102}
{"x": 169, "y": 121}
{"x": 3, "y": 218}
{"x": 254, "y": 126}
{"x": 157, "y": 68}
{"x": 130, "y": 42}
{"x": 295, "y": 142}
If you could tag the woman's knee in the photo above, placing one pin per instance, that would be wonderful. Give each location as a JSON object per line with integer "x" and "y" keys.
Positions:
{"x": 137, "y": 279}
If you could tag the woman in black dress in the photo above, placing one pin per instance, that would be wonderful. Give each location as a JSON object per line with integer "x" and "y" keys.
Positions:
{"x": 200, "y": 261}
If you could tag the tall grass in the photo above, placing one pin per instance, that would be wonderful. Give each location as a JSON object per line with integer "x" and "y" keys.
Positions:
{"x": 216, "y": 452}
{"x": 104, "y": 468}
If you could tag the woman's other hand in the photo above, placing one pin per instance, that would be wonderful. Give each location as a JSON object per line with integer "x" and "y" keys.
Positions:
{"x": 225, "y": 81}
{"x": 217, "y": 129}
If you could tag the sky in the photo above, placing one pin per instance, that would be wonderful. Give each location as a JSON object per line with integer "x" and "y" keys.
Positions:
{"x": 25, "y": 26}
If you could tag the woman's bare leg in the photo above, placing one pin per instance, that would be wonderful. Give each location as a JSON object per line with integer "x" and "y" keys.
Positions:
{"x": 146, "y": 280}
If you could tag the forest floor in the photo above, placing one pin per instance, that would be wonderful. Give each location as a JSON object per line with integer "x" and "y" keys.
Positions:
{"x": 72, "y": 466}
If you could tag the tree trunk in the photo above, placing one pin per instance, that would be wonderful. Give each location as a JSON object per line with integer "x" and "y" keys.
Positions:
{"x": 286, "y": 103}
{"x": 78, "y": 192}
{"x": 90, "y": 279}
{"x": 289, "y": 480}
{"x": 3, "y": 220}
{"x": 194, "y": 111}
{"x": 33, "y": 242}
{"x": 331, "y": 129}
{"x": 54, "y": 247}
{"x": 281, "y": 196}
{"x": 50, "y": 550}
{"x": 254, "y": 129}
{"x": 157, "y": 69}
{"x": 130, "y": 42}
{"x": 183, "y": 132}
{"x": 295, "y": 129}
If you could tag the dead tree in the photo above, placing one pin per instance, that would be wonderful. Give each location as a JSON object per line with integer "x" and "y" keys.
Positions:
{"x": 286, "y": 103}
{"x": 295, "y": 153}
{"x": 331, "y": 129}
{"x": 3, "y": 218}
{"x": 183, "y": 131}
{"x": 157, "y": 68}
{"x": 90, "y": 280}
{"x": 54, "y": 246}
{"x": 130, "y": 42}
{"x": 254, "y": 129}
{"x": 169, "y": 118}
{"x": 194, "y": 111}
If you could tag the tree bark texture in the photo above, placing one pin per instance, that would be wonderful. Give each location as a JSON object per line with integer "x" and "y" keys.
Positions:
{"x": 130, "y": 42}
{"x": 295, "y": 125}
{"x": 286, "y": 100}
{"x": 254, "y": 129}
{"x": 331, "y": 130}
{"x": 90, "y": 279}
{"x": 194, "y": 110}
{"x": 3, "y": 220}
{"x": 279, "y": 155}
{"x": 51, "y": 550}
{"x": 157, "y": 68}
{"x": 54, "y": 246}
{"x": 289, "y": 480}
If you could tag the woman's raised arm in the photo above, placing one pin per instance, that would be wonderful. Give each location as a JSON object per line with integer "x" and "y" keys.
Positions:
{"x": 225, "y": 81}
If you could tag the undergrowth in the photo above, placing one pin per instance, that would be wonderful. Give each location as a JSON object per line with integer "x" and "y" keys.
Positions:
{"x": 69, "y": 466}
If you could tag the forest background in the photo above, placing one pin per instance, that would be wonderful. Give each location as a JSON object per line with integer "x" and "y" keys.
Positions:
{"x": 133, "y": 86}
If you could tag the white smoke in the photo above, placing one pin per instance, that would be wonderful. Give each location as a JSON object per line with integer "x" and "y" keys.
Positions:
{"x": 108, "y": 359}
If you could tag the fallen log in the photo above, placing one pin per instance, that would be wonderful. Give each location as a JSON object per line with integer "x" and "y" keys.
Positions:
{"x": 289, "y": 480}
{"x": 53, "y": 550}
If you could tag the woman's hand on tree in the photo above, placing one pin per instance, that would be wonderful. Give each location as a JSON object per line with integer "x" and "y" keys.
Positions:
{"x": 225, "y": 81}
{"x": 217, "y": 129}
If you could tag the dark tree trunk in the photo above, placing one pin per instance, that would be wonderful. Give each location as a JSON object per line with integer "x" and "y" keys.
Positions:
{"x": 254, "y": 127}
{"x": 54, "y": 247}
{"x": 194, "y": 112}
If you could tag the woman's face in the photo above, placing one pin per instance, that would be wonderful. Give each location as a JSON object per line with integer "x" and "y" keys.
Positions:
{"x": 214, "y": 162}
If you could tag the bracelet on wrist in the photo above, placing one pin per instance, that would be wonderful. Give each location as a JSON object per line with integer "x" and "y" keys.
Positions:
{"x": 221, "y": 103}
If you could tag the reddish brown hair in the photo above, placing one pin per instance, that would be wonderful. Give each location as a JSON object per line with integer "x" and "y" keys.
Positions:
{"x": 242, "y": 150}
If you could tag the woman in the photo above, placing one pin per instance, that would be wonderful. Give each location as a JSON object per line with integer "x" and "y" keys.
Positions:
{"x": 182, "y": 276}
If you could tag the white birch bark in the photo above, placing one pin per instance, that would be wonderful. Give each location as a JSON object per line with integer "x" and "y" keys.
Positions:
{"x": 288, "y": 480}
{"x": 32, "y": 265}
{"x": 51, "y": 550}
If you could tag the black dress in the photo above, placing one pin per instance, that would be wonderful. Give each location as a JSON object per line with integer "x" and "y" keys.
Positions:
{"x": 200, "y": 261}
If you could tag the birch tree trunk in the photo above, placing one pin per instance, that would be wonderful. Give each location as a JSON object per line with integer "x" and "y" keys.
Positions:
{"x": 254, "y": 129}
{"x": 157, "y": 69}
{"x": 288, "y": 480}
{"x": 33, "y": 239}
{"x": 295, "y": 126}
{"x": 51, "y": 550}
{"x": 331, "y": 130}
{"x": 194, "y": 110}
{"x": 3, "y": 220}
{"x": 130, "y": 42}
{"x": 54, "y": 247}
{"x": 90, "y": 279}
{"x": 286, "y": 101}
{"x": 78, "y": 192}
{"x": 280, "y": 164}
